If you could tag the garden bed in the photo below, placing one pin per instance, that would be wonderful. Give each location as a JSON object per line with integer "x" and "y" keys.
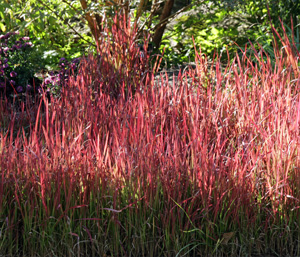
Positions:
{"x": 120, "y": 163}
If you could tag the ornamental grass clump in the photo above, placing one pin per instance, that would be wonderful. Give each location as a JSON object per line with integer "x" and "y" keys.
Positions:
{"x": 122, "y": 65}
{"x": 208, "y": 165}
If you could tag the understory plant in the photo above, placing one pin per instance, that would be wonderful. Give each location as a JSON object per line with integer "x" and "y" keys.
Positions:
{"x": 128, "y": 164}
{"x": 55, "y": 80}
{"x": 273, "y": 45}
{"x": 18, "y": 63}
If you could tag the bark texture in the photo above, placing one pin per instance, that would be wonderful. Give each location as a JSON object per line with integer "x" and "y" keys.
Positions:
{"x": 166, "y": 12}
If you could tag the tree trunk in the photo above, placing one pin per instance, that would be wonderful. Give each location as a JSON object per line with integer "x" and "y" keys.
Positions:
{"x": 94, "y": 27}
{"x": 141, "y": 8}
{"x": 166, "y": 12}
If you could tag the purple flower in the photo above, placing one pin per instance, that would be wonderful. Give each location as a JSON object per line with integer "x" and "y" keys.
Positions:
{"x": 47, "y": 81}
{"x": 13, "y": 74}
{"x": 13, "y": 33}
{"x": 19, "y": 89}
{"x": 4, "y": 66}
{"x": 5, "y": 49}
{"x": 76, "y": 60}
{"x": 2, "y": 84}
{"x": 27, "y": 44}
{"x": 28, "y": 87}
{"x": 12, "y": 82}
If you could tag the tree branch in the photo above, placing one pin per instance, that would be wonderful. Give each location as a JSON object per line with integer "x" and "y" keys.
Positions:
{"x": 62, "y": 19}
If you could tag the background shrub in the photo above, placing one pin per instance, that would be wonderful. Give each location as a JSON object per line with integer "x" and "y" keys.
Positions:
{"x": 19, "y": 63}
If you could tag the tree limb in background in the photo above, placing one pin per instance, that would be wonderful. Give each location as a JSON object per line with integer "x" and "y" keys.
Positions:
{"x": 94, "y": 27}
{"x": 95, "y": 20}
{"x": 62, "y": 19}
{"x": 141, "y": 8}
{"x": 148, "y": 20}
{"x": 165, "y": 19}
{"x": 172, "y": 16}
{"x": 164, "y": 15}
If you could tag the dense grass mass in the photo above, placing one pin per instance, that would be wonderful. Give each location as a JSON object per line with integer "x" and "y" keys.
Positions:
{"x": 121, "y": 164}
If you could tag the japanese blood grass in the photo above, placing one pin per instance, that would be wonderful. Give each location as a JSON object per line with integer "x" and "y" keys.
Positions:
{"x": 205, "y": 168}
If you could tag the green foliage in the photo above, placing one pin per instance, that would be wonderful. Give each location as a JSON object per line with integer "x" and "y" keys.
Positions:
{"x": 53, "y": 26}
{"x": 220, "y": 25}
{"x": 215, "y": 27}
{"x": 19, "y": 62}
{"x": 285, "y": 9}
{"x": 59, "y": 29}
{"x": 275, "y": 46}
